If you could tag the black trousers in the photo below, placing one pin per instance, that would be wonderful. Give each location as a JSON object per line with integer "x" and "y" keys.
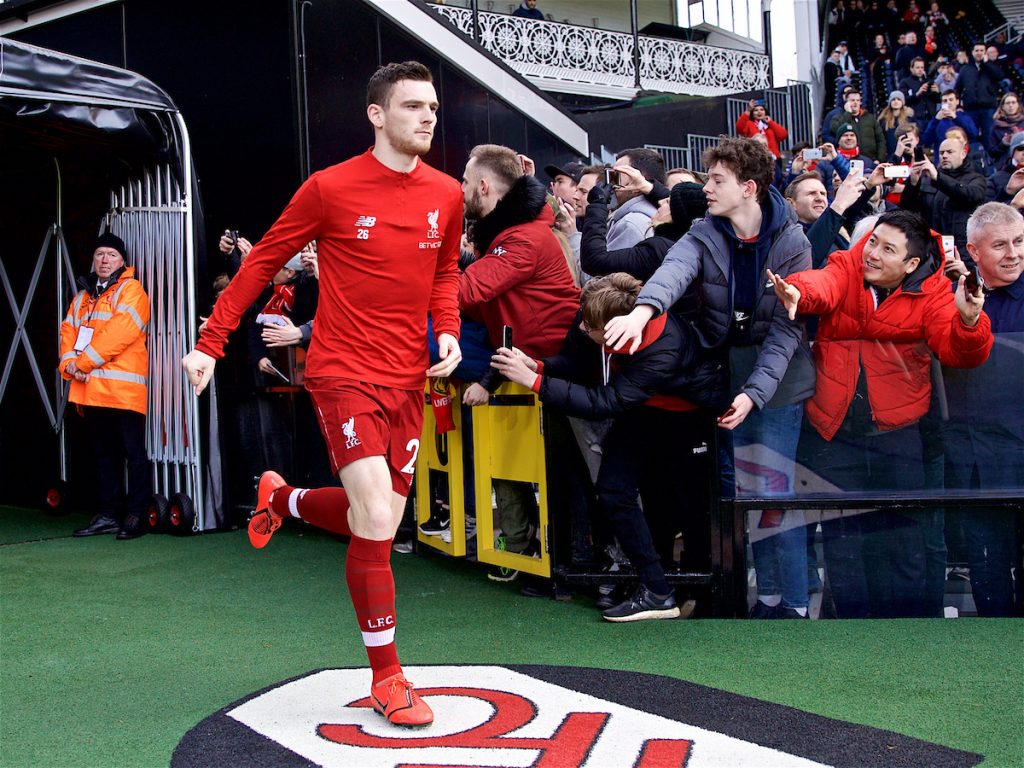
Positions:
{"x": 667, "y": 457}
{"x": 118, "y": 438}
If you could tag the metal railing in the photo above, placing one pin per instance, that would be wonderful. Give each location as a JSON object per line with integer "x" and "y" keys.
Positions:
{"x": 576, "y": 59}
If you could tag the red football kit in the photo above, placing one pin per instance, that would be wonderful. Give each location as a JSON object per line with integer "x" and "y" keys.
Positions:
{"x": 388, "y": 246}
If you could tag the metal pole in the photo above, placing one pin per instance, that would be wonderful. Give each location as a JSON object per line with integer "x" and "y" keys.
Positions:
{"x": 766, "y": 13}
{"x": 636, "y": 43}
{"x": 474, "y": 6}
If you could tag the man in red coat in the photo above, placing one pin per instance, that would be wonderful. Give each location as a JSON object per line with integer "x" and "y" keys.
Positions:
{"x": 886, "y": 307}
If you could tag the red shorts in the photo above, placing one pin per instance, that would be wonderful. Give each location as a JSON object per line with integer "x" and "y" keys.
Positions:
{"x": 358, "y": 419}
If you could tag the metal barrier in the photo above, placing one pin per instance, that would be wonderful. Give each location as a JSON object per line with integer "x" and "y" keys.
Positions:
{"x": 152, "y": 214}
{"x": 674, "y": 157}
{"x": 508, "y": 444}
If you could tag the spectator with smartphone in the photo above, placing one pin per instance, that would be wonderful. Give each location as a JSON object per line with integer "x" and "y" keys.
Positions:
{"x": 748, "y": 227}
{"x": 521, "y": 280}
{"x": 1007, "y": 122}
{"x": 984, "y": 445}
{"x": 922, "y": 93}
{"x": 978, "y": 86}
{"x": 659, "y": 436}
{"x": 632, "y": 215}
{"x": 885, "y": 307}
{"x": 949, "y": 116}
{"x": 755, "y": 121}
{"x": 946, "y": 196}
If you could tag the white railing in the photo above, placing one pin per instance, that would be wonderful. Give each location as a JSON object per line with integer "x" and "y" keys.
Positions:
{"x": 574, "y": 59}
{"x": 1013, "y": 29}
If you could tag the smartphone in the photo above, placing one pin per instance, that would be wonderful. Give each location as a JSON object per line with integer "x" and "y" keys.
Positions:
{"x": 233, "y": 234}
{"x": 947, "y": 247}
{"x": 506, "y": 337}
{"x": 918, "y": 153}
{"x": 973, "y": 280}
{"x": 611, "y": 177}
{"x": 897, "y": 172}
{"x": 727, "y": 414}
{"x": 281, "y": 376}
{"x": 857, "y": 165}
{"x": 812, "y": 153}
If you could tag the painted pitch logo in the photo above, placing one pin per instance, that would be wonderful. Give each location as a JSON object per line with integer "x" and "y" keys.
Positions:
{"x": 543, "y": 717}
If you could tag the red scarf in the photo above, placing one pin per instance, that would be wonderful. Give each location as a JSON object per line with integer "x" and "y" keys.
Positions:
{"x": 281, "y": 302}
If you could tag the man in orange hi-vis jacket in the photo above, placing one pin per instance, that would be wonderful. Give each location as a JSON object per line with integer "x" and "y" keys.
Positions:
{"x": 103, "y": 355}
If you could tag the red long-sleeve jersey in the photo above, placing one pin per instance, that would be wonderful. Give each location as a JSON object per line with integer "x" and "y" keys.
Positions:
{"x": 388, "y": 246}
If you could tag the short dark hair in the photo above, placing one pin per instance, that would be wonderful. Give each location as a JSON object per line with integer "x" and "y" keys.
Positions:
{"x": 916, "y": 59}
{"x": 746, "y": 159}
{"x": 382, "y": 82}
{"x": 610, "y": 296}
{"x": 598, "y": 168}
{"x": 850, "y": 92}
{"x": 648, "y": 161}
{"x": 795, "y": 183}
{"x": 914, "y": 228}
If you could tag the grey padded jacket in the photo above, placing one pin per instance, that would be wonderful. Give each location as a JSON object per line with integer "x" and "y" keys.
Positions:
{"x": 704, "y": 254}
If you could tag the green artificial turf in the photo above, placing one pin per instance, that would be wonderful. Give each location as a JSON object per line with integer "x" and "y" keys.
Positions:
{"x": 110, "y": 651}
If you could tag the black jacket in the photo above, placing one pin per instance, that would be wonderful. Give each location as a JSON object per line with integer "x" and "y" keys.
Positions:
{"x": 948, "y": 202}
{"x": 670, "y": 363}
{"x": 979, "y": 87}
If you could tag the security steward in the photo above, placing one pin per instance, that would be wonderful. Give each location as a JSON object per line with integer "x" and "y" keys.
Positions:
{"x": 103, "y": 355}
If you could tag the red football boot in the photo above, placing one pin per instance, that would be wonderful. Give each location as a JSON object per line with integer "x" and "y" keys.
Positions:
{"x": 264, "y": 522}
{"x": 394, "y": 699}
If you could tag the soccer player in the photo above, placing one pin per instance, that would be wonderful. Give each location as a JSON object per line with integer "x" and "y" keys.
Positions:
{"x": 388, "y": 228}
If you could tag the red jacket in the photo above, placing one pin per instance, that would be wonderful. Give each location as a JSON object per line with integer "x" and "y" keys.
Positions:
{"x": 522, "y": 278}
{"x": 892, "y": 342}
{"x": 775, "y": 133}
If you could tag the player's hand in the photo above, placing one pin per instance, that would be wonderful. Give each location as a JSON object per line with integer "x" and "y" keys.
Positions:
{"x": 513, "y": 365}
{"x": 741, "y": 407}
{"x": 628, "y": 329}
{"x": 788, "y": 294}
{"x": 451, "y": 356}
{"x": 199, "y": 369}
{"x": 475, "y": 395}
{"x": 287, "y": 335}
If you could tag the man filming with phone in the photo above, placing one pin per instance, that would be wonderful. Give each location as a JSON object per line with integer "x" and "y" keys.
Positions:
{"x": 946, "y": 196}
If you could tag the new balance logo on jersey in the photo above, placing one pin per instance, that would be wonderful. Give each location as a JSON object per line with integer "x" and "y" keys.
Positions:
{"x": 363, "y": 224}
{"x": 432, "y": 216}
{"x": 349, "y": 430}
{"x": 499, "y": 251}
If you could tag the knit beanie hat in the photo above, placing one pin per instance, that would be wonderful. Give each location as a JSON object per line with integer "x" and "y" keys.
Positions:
{"x": 109, "y": 240}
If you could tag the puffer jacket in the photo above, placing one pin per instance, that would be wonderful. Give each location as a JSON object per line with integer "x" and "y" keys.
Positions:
{"x": 115, "y": 358}
{"x": 669, "y": 371}
{"x": 891, "y": 342}
{"x": 783, "y": 372}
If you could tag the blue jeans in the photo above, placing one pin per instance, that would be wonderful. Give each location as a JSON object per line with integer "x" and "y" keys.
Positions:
{"x": 765, "y": 445}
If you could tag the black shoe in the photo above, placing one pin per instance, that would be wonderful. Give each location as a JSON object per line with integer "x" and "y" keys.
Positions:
{"x": 792, "y": 613}
{"x": 606, "y": 597}
{"x": 436, "y": 525}
{"x": 132, "y": 528}
{"x": 100, "y": 524}
{"x": 644, "y": 604}
{"x": 762, "y": 610}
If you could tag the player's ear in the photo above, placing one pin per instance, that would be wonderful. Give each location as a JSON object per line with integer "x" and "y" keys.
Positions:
{"x": 375, "y": 114}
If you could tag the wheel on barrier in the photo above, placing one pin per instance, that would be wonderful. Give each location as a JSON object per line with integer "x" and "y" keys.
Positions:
{"x": 156, "y": 514}
{"x": 55, "y": 502}
{"x": 181, "y": 515}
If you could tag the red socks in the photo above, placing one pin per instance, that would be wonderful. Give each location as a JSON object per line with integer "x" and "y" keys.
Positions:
{"x": 326, "y": 508}
{"x": 372, "y": 589}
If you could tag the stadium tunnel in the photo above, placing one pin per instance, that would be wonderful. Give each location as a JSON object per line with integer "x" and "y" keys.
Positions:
{"x": 87, "y": 147}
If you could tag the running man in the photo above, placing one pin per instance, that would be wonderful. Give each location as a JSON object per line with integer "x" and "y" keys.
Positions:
{"x": 388, "y": 228}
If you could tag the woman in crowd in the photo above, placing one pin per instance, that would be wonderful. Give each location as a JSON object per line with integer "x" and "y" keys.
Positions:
{"x": 895, "y": 114}
{"x": 1007, "y": 121}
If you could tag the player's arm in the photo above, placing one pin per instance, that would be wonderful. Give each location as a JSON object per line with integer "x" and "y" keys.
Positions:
{"x": 444, "y": 298}
{"x": 297, "y": 225}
